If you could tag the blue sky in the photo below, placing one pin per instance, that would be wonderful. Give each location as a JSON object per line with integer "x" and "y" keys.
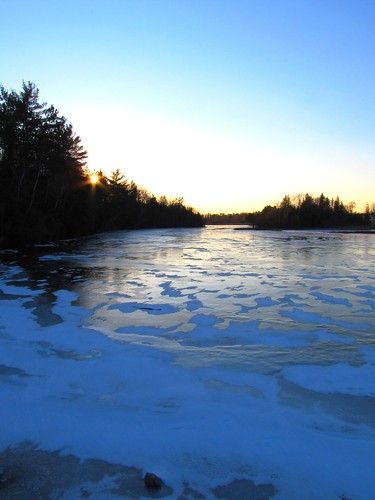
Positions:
{"x": 229, "y": 104}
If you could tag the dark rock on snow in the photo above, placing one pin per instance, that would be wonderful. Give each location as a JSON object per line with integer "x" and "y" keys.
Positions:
{"x": 152, "y": 481}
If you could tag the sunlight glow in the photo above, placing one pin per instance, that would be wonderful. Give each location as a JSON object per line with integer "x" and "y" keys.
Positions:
{"x": 230, "y": 112}
{"x": 94, "y": 179}
{"x": 213, "y": 172}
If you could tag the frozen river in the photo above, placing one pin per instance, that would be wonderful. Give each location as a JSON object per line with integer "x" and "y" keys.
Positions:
{"x": 231, "y": 363}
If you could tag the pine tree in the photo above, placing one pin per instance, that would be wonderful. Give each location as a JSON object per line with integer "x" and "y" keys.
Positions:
{"x": 41, "y": 167}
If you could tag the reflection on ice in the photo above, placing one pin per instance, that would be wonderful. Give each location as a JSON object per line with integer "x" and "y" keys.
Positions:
{"x": 224, "y": 361}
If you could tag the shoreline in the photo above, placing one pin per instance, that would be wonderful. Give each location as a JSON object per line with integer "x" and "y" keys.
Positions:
{"x": 26, "y": 471}
{"x": 317, "y": 230}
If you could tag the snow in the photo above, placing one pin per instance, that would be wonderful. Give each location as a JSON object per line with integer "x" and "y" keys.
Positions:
{"x": 203, "y": 356}
{"x": 340, "y": 378}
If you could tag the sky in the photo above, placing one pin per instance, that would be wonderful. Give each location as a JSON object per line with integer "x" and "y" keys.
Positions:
{"x": 229, "y": 104}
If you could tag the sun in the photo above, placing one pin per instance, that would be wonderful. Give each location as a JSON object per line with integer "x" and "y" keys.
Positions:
{"x": 94, "y": 178}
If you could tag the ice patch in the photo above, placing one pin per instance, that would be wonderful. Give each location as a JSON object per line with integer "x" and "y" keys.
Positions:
{"x": 265, "y": 302}
{"x": 302, "y": 316}
{"x": 149, "y": 308}
{"x": 193, "y": 305}
{"x": 170, "y": 290}
{"x": 340, "y": 378}
{"x": 331, "y": 299}
{"x": 370, "y": 303}
{"x": 368, "y": 354}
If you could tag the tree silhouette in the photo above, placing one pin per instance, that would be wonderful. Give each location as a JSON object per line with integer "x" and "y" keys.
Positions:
{"x": 307, "y": 212}
{"x": 41, "y": 165}
{"x": 45, "y": 190}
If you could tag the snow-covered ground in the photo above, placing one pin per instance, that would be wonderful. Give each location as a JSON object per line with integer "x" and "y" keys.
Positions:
{"x": 230, "y": 363}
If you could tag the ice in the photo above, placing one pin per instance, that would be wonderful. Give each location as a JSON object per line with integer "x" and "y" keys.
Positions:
{"x": 368, "y": 354}
{"x": 210, "y": 357}
{"x": 331, "y": 299}
{"x": 149, "y": 308}
{"x": 308, "y": 317}
{"x": 340, "y": 378}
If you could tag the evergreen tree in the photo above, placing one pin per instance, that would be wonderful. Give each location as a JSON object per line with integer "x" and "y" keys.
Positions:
{"x": 45, "y": 193}
{"x": 307, "y": 212}
{"x": 41, "y": 167}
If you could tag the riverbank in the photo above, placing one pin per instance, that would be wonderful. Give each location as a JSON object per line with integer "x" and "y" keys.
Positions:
{"x": 325, "y": 230}
{"x": 29, "y": 472}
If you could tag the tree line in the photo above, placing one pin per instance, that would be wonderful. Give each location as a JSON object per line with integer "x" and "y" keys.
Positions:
{"x": 307, "y": 212}
{"x": 45, "y": 188}
{"x": 229, "y": 219}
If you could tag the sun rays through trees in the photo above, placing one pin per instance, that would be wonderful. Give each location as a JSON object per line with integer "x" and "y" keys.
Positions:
{"x": 46, "y": 192}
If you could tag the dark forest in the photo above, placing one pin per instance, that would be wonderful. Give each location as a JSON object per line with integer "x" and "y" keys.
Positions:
{"x": 45, "y": 188}
{"x": 308, "y": 212}
{"x": 46, "y": 193}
